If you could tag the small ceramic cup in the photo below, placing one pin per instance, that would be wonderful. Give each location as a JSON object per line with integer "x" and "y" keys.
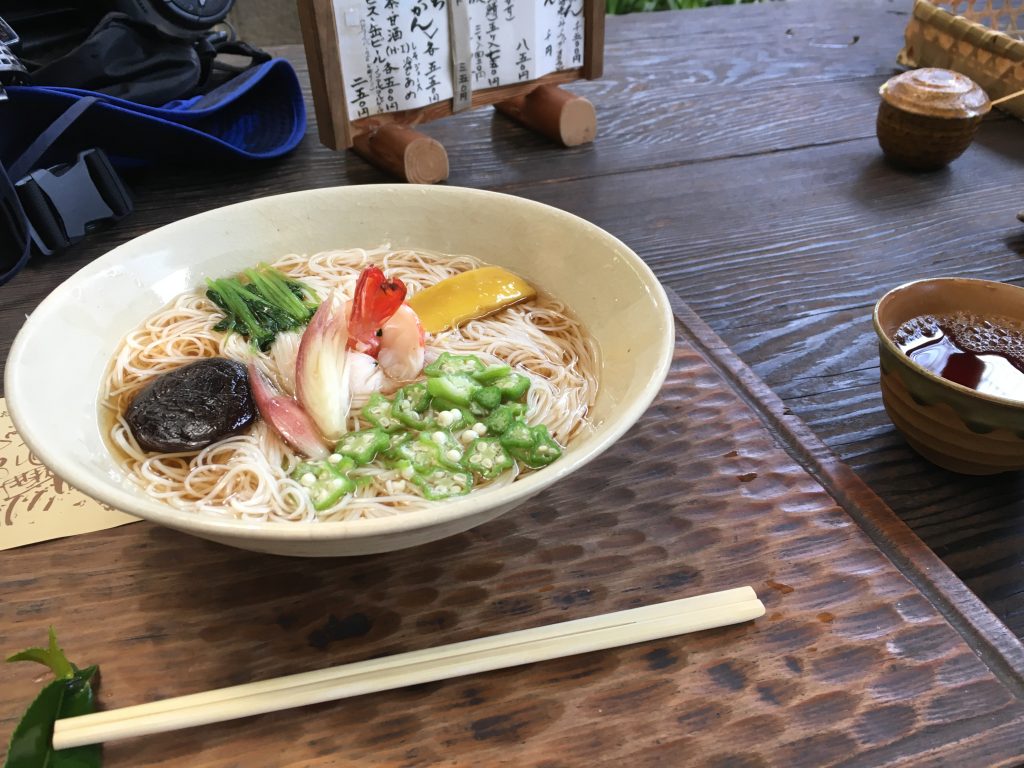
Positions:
{"x": 928, "y": 117}
{"x": 951, "y": 425}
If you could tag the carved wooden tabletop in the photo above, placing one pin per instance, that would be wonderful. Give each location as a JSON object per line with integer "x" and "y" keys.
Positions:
{"x": 736, "y": 155}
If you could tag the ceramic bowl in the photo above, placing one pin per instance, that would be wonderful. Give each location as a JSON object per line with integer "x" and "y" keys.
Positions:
{"x": 947, "y": 423}
{"x": 59, "y": 357}
{"x": 928, "y": 117}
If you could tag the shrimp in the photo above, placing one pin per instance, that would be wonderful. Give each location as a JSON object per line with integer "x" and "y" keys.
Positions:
{"x": 382, "y": 326}
{"x": 375, "y": 300}
{"x": 371, "y": 344}
{"x": 365, "y": 375}
{"x": 402, "y": 345}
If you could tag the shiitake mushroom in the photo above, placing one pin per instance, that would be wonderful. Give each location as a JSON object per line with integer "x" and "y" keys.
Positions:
{"x": 191, "y": 407}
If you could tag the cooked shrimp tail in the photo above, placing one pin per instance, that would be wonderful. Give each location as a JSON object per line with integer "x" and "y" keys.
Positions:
{"x": 402, "y": 345}
{"x": 376, "y": 299}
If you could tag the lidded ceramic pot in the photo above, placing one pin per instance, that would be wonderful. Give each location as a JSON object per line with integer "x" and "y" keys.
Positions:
{"x": 928, "y": 117}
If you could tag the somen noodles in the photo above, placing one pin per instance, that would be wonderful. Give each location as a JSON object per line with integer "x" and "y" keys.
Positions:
{"x": 248, "y": 475}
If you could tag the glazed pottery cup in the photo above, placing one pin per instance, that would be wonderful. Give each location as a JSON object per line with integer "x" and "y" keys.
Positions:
{"x": 951, "y": 425}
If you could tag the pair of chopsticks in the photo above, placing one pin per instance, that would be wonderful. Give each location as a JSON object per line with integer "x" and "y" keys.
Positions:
{"x": 526, "y": 646}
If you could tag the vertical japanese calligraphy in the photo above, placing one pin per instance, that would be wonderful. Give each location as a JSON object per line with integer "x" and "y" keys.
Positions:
{"x": 35, "y": 504}
{"x": 462, "y": 54}
{"x": 398, "y": 54}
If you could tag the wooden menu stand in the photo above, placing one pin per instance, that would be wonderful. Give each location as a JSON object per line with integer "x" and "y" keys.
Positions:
{"x": 407, "y": 154}
{"x": 553, "y": 112}
{"x": 387, "y": 139}
{"x": 416, "y": 158}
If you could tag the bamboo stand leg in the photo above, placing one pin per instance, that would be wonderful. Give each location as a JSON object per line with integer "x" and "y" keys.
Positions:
{"x": 403, "y": 152}
{"x": 555, "y": 113}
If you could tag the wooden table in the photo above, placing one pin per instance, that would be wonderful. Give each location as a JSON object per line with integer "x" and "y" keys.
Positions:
{"x": 736, "y": 154}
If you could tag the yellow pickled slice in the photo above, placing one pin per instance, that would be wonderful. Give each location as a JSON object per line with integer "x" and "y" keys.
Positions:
{"x": 468, "y": 296}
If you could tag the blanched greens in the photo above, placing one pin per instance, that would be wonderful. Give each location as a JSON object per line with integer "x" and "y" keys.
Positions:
{"x": 261, "y": 303}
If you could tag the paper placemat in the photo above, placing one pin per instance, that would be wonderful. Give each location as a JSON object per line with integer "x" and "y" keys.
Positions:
{"x": 37, "y": 505}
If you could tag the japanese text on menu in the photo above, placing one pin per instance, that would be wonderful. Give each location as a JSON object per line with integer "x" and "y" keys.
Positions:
{"x": 396, "y": 54}
{"x": 35, "y": 504}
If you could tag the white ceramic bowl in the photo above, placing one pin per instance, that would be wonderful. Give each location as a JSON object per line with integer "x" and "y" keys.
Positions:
{"x": 55, "y": 368}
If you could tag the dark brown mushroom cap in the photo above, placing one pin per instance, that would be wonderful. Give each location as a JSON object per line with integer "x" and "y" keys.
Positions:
{"x": 191, "y": 407}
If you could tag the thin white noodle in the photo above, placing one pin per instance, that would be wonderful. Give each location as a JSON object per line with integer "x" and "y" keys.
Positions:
{"x": 247, "y": 476}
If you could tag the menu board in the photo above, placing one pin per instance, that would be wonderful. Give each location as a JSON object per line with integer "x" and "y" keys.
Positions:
{"x": 403, "y": 54}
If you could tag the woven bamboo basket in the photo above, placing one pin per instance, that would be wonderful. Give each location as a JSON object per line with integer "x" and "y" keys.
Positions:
{"x": 978, "y": 38}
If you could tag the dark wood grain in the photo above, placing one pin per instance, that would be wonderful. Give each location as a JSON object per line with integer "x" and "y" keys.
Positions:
{"x": 736, "y": 154}
{"x": 867, "y": 656}
{"x": 787, "y": 273}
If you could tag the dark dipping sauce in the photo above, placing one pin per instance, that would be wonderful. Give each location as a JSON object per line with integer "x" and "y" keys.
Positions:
{"x": 984, "y": 354}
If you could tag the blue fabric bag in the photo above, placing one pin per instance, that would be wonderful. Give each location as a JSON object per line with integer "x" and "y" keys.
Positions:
{"x": 257, "y": 115}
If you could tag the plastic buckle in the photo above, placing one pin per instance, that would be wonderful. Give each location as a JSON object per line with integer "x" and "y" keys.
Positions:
{"x": 66, "y": 202}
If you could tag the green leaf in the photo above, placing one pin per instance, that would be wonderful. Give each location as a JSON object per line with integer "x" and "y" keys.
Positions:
{"x": 52, "y": 657}
{"x": 69, "y": 695}
{"x": 32, "y": 741}
{"x": 265, "y": 305}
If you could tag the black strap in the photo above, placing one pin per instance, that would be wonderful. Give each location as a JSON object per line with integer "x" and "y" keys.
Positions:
{"x": 12, "y": 210}
{"x": 17, "y": 224}
{"x": 215, "y": 72}
{"x": 31, "y": 156}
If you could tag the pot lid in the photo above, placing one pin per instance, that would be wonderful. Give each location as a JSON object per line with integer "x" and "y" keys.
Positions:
{"x": 936, "y": 93}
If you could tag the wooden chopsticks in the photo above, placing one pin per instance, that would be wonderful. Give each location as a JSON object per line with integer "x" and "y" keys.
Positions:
{"x": 552, "y": 641}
